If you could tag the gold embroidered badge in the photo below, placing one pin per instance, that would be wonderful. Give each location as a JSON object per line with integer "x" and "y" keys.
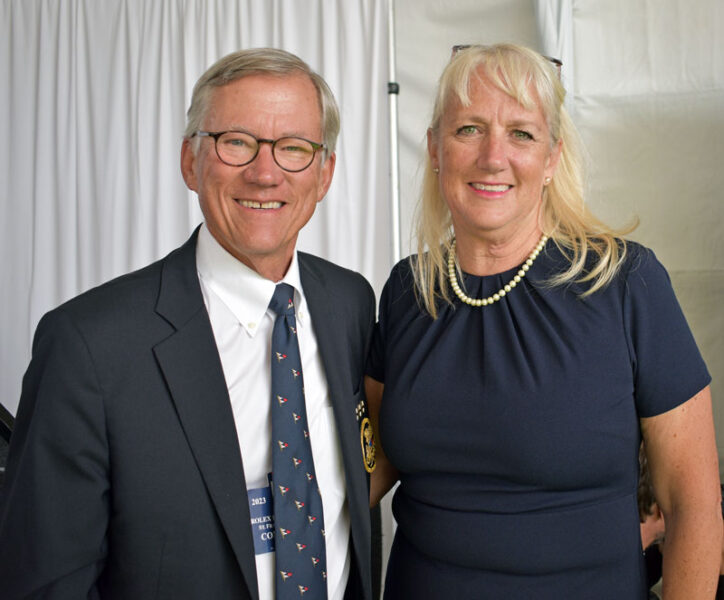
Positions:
{"x": 367, "y": 439}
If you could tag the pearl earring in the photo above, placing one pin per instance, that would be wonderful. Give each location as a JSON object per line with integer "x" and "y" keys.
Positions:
{"x": 436, "y": 170}
{"x": 546, "y": 181}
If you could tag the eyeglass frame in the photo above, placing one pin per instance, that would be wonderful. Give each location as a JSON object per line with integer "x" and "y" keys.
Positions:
{"x": 557, "y": 63}
{"x": 259, "y": 141}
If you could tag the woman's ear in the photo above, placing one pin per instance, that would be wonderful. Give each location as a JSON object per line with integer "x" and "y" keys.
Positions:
{"x": 432, "y": 149}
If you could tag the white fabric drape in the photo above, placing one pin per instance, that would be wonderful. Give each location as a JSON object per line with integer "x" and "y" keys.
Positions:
{"x": 555, "y": 24}
{"x": 92, "y": 110}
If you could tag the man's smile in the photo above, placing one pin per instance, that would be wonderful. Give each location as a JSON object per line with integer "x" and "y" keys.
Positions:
{"x": 260, "y": 205}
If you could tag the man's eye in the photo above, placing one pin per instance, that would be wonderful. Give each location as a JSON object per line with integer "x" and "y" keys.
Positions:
{"x": 239, "y": 142}
{"x": 293, "y": 148}
{"x": 467, "y": 130}
{"x": 519, "y": 134}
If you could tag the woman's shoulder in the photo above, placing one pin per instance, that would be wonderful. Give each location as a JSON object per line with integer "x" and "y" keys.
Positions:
{"x": 633, "y": 257}
{"x": 639, "y": 271}
{"x": 641, "y": 262}
{"x": 635, "y": 251}
{"x": 402, "y": 275}
{"x": 400, "y": 290}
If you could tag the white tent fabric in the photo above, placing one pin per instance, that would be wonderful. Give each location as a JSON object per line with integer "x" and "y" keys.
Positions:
{"x": 555, "y": 25}
{"x": 93, "y": 108}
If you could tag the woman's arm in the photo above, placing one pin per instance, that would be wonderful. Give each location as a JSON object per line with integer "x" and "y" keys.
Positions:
{"x": 385, "y": 475}
{"x": 682, "y": 455}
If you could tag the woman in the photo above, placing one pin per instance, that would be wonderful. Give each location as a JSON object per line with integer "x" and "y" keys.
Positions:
{"x": 522, "y": 354}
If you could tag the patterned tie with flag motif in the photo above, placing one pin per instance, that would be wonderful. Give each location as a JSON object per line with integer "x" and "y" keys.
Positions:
{"x": 301, "y": 565}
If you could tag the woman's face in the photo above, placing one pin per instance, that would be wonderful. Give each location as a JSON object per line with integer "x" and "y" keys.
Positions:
{"x": 493, "y": 157}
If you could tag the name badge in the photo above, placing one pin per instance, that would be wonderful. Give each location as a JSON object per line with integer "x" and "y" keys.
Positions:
{"x": 262, "y": 519}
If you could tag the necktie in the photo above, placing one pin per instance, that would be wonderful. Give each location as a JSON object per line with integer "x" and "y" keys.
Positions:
{"x": 301, "y": 566}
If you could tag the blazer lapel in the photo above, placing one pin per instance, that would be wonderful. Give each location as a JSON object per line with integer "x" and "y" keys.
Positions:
{"x": 192, "y": 368}
{"x": 331, "y": 332}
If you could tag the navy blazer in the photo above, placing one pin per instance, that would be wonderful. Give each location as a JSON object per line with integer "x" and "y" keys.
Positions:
{"x": 125, "y": 478}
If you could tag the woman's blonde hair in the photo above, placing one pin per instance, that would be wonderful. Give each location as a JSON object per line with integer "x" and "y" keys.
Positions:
{"x": 532, "y": 80}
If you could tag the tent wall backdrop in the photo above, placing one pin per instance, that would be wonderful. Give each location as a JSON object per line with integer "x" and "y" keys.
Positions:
{"x": 92, "y": 109}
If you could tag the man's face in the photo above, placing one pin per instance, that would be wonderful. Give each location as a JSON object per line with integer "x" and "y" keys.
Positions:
{"x": 256, "y": 211}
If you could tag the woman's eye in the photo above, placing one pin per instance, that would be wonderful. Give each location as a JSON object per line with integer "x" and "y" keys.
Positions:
{"x": 519, "y": 134}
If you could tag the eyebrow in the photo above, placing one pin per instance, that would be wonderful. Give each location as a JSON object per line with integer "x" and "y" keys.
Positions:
{"x": 525, "y": 124}
{"x": 241, "y": 129}
{"x": 518, "y": 123}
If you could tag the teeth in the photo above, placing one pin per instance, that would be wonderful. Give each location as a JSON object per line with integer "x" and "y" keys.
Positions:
{"x": 490, "y": 188}
{"x": 251, "y": 204}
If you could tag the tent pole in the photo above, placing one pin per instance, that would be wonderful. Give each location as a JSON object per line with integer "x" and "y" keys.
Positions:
{"x": 393, "y": 89}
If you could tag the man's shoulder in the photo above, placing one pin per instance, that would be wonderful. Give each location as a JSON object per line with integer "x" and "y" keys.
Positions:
{"x": 333, "y": 273}
{"x": 120, "y": 290}
{"x": 323, "y": 265}
{"x": 329, "y": 285}
{"x": 126, "y": 296}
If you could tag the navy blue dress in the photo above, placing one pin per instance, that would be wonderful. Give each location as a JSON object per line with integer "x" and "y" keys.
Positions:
{"x": 515, "y": 429}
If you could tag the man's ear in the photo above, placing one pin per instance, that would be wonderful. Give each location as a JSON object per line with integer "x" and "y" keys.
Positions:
{"x": 326, "y": 176}
{"x": 188, "y": 165}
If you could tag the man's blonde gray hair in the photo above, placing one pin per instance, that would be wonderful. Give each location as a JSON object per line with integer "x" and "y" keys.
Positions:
{"x": 262, "y": 61}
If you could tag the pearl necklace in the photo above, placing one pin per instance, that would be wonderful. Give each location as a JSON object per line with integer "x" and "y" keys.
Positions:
{"x": 502, "y": 291}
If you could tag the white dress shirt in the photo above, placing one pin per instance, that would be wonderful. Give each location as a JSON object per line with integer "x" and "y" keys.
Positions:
{"x": 237, "y": 300}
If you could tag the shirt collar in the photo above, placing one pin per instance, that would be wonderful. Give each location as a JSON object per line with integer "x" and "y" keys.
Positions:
{"x": 244, "y": 292}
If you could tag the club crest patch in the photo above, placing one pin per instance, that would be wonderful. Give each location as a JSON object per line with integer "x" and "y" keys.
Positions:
{"x": 367, "y": 439}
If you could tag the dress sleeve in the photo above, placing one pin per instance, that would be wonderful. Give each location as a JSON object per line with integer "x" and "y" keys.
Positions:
{"x": 668, "y": 368}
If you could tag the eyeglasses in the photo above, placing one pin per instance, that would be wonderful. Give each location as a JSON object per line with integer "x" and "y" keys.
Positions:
{"x": 557, "y": 64}
{"x": 238, "y": 148}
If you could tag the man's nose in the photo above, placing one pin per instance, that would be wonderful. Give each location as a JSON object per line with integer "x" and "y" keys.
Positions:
{"x": 264, "y": 170}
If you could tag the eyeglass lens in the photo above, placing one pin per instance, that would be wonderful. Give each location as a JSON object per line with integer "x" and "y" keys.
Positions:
{"x": 236, "y": 148}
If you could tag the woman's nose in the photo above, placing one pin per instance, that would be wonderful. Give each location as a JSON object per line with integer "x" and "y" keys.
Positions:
{"x": 492, "y": 152}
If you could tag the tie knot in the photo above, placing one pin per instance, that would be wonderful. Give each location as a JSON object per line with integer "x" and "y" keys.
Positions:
{"x": 282, "y": 302}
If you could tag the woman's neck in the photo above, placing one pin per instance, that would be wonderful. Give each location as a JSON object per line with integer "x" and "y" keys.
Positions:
{"x": 488, "y": 255}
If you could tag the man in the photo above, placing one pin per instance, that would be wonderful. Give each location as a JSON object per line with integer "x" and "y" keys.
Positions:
{"x": 141, "y": 462}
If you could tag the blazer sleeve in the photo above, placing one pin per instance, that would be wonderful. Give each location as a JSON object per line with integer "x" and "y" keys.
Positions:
{"x": 55, "y": 506}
